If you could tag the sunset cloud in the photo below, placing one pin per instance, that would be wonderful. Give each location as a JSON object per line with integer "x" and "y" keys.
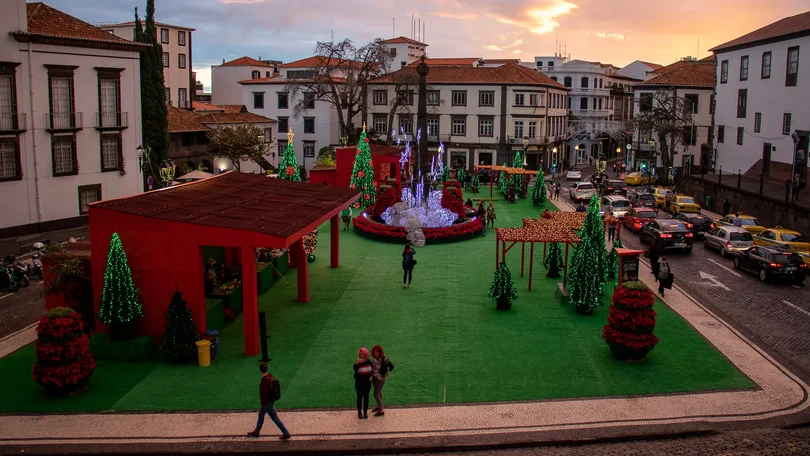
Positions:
{"x": 540, "y": 20}
{"x": 615, "y": 36}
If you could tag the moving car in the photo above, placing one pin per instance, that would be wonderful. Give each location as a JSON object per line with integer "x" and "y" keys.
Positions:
{"x": 615, "y": 205}
{"x": 679, "y": 204}
{"x": 638, "y": 178}
{"x": 581, "y": 191}
{"x": 749, "y": 222}
{"x": 636, "y": 218}
{"x": 573, "y": 175}
{"x": 616, "y": 187}
{"x": 642, "y": 199}
{"x": 728, "y": 240}
{"x": 698, "y": 224}
{"x": 780, "y": 237}
{"x": 772, "y": 263}
{"x": 660, "y": 195}
{"x": 670, "y": 234}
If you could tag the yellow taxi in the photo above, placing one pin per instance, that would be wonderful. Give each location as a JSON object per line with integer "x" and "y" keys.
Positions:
{"x": 748, "y": 222}
{"x": 781, "y": 237}
{"x": 637, "y": 178}
{"x": 660, "y": 194}
{"x": 681, "y": 204}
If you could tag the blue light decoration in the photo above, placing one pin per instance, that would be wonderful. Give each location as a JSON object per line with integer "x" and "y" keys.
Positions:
{"x": 440, "y": 163}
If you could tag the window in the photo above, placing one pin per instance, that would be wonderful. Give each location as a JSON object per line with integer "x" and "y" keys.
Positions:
{"x": 406, "y": 123}
{"x": 258, "y": 100}
{"x": 433, "y": 126}
{"x": 744, "y": 68}
{"x": 554, "y": 78}
{"x": 282, "y": 145}
{"x": 786, "y": 120}
{"x": 646, "y": 102}
{"x": 309, "y": 100}
{"x": 268, "y": 135}
{"x": 88, "y": 194}
{"x": 380, "y": 123}
{"x": 181, "y": 60}
{"x": 740, "y": 135}
{"x": 460, "y": 125}
{"x": 486, "y": 98}
{"x": 393, "y": 52}
{"x": 583, "y": 104}
{"x": 692, "y": 102}
{"x": 109, "y": 98}
{"x": 255, "y": 74}
{"x": 792, "y": 74}
{"x": 267, "y": 74}
{"x": 584, "y": 83}
{"x": 8, "y": 100}
{"x": 111, "y": 152}
{"x": 532, "y": 129}
{"x": 600, "y": 103}
{"x": 407, "y": 97}
{"x": 742, "y": 103}
{"x": 164, "y": 36}
{"x": 283, "y": 125}
{"x": 539, "y": 64}
{"x": 10, "y": 164}
{"x": 182, "y": 98}
{"x": 459, "y": 98}
{"x": 181, "y": 38}
{"x": 519, "y": 99}
{"x": 766, "y": 65}
{"x": 167, "y": 92}
{"x": 63, "y": 155}
{"x": 309, "y": 149}
{"x": 721, "y": 134}
{"x": 757, "y": 122}
{"x": 724, "y": 72}
{"x": 165, "y": 60}
{"x": 300, "y": 74}
{"x": 309, "y": 125}
{"x": 380, "y": 97}
{"x": 550, "y": 65}
{"x": 283, "y": 100}
{"x": 567, "y": 81}
{"x": 690, "y": 136}
{"x": 433, "y": 97}
{"x": 403, "y": 64}
{"x": 518, "y": 129}
{"x": 485, "y": 127}
{"x": 62, "y": 115}
{"x": 533, "y": 99}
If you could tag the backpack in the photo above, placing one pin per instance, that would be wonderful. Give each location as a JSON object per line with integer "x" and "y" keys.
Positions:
{"x": 275, "y": 389}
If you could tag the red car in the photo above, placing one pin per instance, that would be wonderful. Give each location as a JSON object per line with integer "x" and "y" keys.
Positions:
{"x": 637, "y": 217}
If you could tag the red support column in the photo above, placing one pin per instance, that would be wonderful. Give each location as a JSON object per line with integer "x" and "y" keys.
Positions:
{"x": 250, "y": 301}
{"x": 491, "y": 181}
{"x": 497, "y": 251}
{"x": 503, "y": 252}
{"x": 522, "y": 256}
{"x": 531, "y": 264}
{"x": 303, "y": 270}
{"x": 334, "y": 241}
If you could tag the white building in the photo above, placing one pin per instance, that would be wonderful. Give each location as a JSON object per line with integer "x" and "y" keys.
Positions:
{"x": 70, "y": 118}
{"x": 640, "y": 70}
{"x": 176, "y": 43}
{"x": 404, "y": 51}
{"x": 762, "y": 98}
{"x": 225, "y": 78}
{"x": 692, "y": 81}
{"x": 481, "y": 114}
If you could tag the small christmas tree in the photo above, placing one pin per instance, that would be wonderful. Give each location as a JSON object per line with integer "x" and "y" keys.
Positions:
{"x": 554, "y": 260}
{"x": 588, "y": 273}
{"x": 612, "y": 259}
{"x": 503, "y": 289}
{"x": 539, "y": 195}
{"x": 631, "y": 321}
{"x": 461, "y": 174}
{"x": 119, "y": 297}
{"x": 64, "y": 363}
{"x": 476, "y": 184}
{"x": 363, "y": 173}
{"x": 288, "y": 168}
{"x": 181, "y": 334}
{"x": 502, "y": 181}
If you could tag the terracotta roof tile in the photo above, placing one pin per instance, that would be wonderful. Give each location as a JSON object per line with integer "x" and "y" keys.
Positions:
{"x": 787, "y": 26}
{"x": 202, "y": 107}
{"x": 233, "y": 118}
{"x": 184, "y": 121}
{"x": 280, "y": 80}
{"x": 316, "y": 60}
{"x": 687, "y": 74}
{"x": 501, "y": 60}
{"x": 246, "y": 61}
{"x": 448, "y": 61}
{"x": 510, "y": 73}
{"x": 47, "y": 22}
{"x": 654, "y": 66}
{"x": 402, "y": 39}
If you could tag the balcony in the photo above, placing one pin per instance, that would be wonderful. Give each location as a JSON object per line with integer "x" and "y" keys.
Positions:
{"x": 184, "y": 104}
{"x": 111, "y": 121}
{"x": 590, "y": 91}
{"x": 12, "y": 122}
{"x": 590, "y": 113}
{"x": 64, "y": 121}
{"x": 538, "y": 141}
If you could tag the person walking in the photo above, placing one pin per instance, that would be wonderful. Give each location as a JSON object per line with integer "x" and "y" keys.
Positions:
{"x": 346, "y": 216}
{"x": 557, "y": 188}
{"x": 269, "y": 393}
{"x": 581, "y": 207}
{"x": 797, "y": 181}
{"x": 664, "y": 275}
{"x": 654, "y": 254}
{"x": 481, "y": 214}
{"x": 362, "y": 382}
{"x": 611, "y": 229}
{"x": 407, "y": 265}
{"x": 491, "y": 215}
{"x": 726, "y": 207}
{"x": 380, "y": 368}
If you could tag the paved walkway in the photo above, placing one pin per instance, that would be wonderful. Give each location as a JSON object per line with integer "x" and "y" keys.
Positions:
{"x": 780, "y": 394}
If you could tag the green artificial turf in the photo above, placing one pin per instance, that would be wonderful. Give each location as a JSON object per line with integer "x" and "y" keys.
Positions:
{"x": 446, "y": 339}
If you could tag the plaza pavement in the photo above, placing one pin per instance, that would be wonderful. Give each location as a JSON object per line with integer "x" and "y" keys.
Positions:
{"x": 779, "y": 398}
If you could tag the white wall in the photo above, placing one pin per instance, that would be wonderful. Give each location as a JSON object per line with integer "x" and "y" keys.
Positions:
{"x": 636, "y": 70}
{"x": 225, "y": 87}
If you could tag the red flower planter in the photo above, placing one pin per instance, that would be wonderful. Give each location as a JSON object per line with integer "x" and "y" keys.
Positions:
{"x": 397, "y": 234}
{"x": 631, "y": 321}
{"x": 64, "y": 363}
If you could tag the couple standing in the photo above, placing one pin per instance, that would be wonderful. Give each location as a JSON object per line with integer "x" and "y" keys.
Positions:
{"x": 368, "y": 372}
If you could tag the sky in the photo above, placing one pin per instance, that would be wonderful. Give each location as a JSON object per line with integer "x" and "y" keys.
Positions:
{"x": 609, "y": 31}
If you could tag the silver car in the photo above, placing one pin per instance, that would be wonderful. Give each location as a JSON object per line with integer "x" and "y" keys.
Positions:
{"x": 616, "y": 205}
{"x": 728, "y": 239}
{"x": 581, "y": 191}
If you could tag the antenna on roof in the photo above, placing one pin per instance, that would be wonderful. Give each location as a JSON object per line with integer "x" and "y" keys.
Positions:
{"x": 423, "y": 32}
{"x": 698, "y": 49}
{"x": 393, "y": 27}
{"x": 413, "y": 28}
{"x": 333, "y": 30}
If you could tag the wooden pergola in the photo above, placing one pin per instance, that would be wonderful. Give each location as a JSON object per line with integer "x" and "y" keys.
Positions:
{"x": 506, "y": 170}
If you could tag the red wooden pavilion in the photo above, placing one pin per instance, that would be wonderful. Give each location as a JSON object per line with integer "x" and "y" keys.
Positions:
{"x": 163, "y": 232}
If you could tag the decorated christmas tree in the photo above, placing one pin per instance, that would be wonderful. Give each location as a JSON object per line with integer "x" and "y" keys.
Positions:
{"x": 461, "y": 174}
{"x": 588, "y": 273}
{"x": 503, "y": 289}
{"x": 539, "y": 195}
{"x": 178, "y": 340}
{"x": 476, "y": 184}
{"x": 631, "y": 322}
{"x": 64, "y": 363}
{"x": 502, "y": 181}
{"x": 553, "y": 260}
{"x": 517, "y": 179}
{"x": 363, "y": 173}
{"x": 288, "y": 168}
{"x": 612, "y": 259}
{"x": 119, "y": 297}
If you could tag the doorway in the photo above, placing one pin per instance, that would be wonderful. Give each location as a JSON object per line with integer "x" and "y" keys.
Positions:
{"x": 485, "y": 158}
{"x": 766, "y": 159}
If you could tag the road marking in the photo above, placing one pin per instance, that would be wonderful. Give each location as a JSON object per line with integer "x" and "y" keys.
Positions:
{"x": 795, "y": 286}
{"x": 797, "y": 308}
{"x": 6, "y": 296}
{"x": 713, "y": 279}
{"x": 725, "y": 267}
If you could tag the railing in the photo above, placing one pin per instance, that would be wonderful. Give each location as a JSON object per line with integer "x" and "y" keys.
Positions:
{"x": 540, "y": 140}
{"x": 590, "y": 112}
{"x": 112, "y": 120}
{"x": 12, "y": 122}
{"x": 185, "y": 104}
{"x": 590, "y": 91}
{"x": 64, "y": 121}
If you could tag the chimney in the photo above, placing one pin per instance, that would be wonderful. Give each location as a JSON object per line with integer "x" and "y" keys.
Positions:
{"x": 275, "y": 71}
{"x": 223, "y": 61}
{"x": 260, "y": 58}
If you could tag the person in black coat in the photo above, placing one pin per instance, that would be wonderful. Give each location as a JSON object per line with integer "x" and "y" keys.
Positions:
{"x": 655, "y": 252}
{"x": 362, "y": 382}
{"x": 380, "y": 368}
{"x": 407, "y": 265}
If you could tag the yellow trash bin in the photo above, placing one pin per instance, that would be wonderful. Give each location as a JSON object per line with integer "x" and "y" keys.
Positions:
{"x": 204, "y": 352}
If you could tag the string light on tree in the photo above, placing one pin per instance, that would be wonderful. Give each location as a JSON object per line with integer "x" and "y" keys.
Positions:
{"x": 178, "y": 342}
{"x": 363, "y": 173}
{"x": 588, "y": 273}
{"x": 119, "y": 298}
{"x": 553, "y": 261}
{"x": 288, "y": 168}
{"x": 503, "y": 290}
{"x": 539, "y": 195}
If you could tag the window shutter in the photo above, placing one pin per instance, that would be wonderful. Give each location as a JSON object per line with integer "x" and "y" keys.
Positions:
{"x": 120, "y": 155}
{"x": 118, "y": 112}
{"x": 75, "y": 149}
{"x": 100, "y": 109}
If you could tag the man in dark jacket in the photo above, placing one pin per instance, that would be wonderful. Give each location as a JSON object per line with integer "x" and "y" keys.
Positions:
{"x": 267, "y": 405}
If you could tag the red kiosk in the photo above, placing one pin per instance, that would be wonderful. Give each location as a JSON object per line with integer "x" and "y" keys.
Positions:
{"x": 163, "y": 233}
{"x": 628, "y": 264}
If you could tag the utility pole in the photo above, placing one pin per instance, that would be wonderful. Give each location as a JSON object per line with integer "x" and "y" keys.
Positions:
{"x": 422, "y": 161}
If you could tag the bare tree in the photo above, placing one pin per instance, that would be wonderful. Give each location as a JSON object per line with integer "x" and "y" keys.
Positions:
{"x": 340, "y": 78}
{"x": 668, "y": 118}
{"x": 238, "y": 143}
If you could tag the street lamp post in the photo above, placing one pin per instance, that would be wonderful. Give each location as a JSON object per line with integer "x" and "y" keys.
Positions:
{"x": 167, "y": 172}
{"x": 576, "y": 148}
{"x": 525, "y": 150}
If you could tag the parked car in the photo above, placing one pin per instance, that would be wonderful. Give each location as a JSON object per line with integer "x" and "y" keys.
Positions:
{"x": 615, "y": 205}
{"x": 581, "y": 191}
{"x": 728, "y": 240}
{"x": 616, "y": 187}
{"x": 638, "y": 178}
{"x": 698, "y": 224}
{"x": 749, "y": 222}
{"x": 573, "y": 174}
{"x": 637, "y": 217}
{"x": 772, "y": 263}
{"x": 679, "y": 204}
{"x": 642, "y": 199}
{"x": 670, "y": 234}
{"x": 780, "y": 237}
